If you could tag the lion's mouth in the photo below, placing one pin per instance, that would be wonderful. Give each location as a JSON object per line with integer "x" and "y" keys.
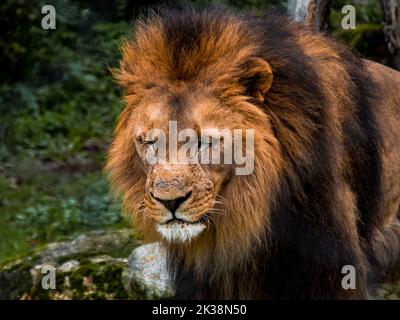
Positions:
{"x": 203, "y": 219}
{"x": 180, "y": 230}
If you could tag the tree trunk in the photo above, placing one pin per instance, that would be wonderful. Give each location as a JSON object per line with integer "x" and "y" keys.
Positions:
{"x": 315, "y": 13}
{"x": 391, "y": 16}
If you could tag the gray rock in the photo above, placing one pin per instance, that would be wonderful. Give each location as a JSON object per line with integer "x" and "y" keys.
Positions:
{"x": 146, "y": 272}
{"x": 94, "y": 243}
{"x": 69, "y": 266}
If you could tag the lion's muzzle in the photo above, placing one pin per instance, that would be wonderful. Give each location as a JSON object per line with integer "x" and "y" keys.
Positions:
{"x": 175, "y": 200}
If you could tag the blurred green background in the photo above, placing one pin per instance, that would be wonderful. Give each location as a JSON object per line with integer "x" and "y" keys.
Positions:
{"x": 58, "y": 107}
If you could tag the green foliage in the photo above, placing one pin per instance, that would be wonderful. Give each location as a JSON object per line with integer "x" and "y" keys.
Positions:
{"x": 390, "y": 291}
{"x": 65, "y": 94}
{"x": 58, "y": 105}
{"x": 257, "y": 4}
{"x": 368, "y": 11}
{"x": 49, "y": 207}
{"x": 59, "y": 216}
{"x": 368, "y": 37}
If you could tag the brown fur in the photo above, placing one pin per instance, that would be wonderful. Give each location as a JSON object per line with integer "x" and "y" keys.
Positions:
{"x": 325, "y": 191}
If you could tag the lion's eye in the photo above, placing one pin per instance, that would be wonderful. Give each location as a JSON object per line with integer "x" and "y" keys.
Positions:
{"x": 204, "y": 144}
{"x": 145, "y": 142}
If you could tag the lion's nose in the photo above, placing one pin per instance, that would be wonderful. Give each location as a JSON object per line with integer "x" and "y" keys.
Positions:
{"x": 173, "y": 204}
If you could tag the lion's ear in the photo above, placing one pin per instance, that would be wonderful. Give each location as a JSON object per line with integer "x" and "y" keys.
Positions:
{"x": 257, "y": 77}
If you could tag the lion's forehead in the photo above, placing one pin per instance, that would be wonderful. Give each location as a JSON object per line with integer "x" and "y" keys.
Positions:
{"x": 198, "y": 113}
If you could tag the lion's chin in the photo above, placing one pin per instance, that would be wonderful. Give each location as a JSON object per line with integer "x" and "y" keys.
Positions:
{"x": 180, "y": 231}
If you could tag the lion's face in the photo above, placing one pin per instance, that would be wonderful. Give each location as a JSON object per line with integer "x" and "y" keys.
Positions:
{"x": 220, "y": 84}
{"x": 180, "y": 198}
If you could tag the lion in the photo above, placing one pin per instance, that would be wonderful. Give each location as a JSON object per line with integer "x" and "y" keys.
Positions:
{"x": 324, "y": 193}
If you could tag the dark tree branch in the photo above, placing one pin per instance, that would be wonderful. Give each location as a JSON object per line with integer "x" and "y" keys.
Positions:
{"x": 391, "y": 16}
{"x": 318, "y": 15}
{"x": 315, "y": 13}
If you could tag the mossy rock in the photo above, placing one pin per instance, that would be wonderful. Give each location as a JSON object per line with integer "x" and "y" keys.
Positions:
{"x": 389, "y": 291}
{"x": 88, "y": 267}
{"x": 95, "y": 278}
